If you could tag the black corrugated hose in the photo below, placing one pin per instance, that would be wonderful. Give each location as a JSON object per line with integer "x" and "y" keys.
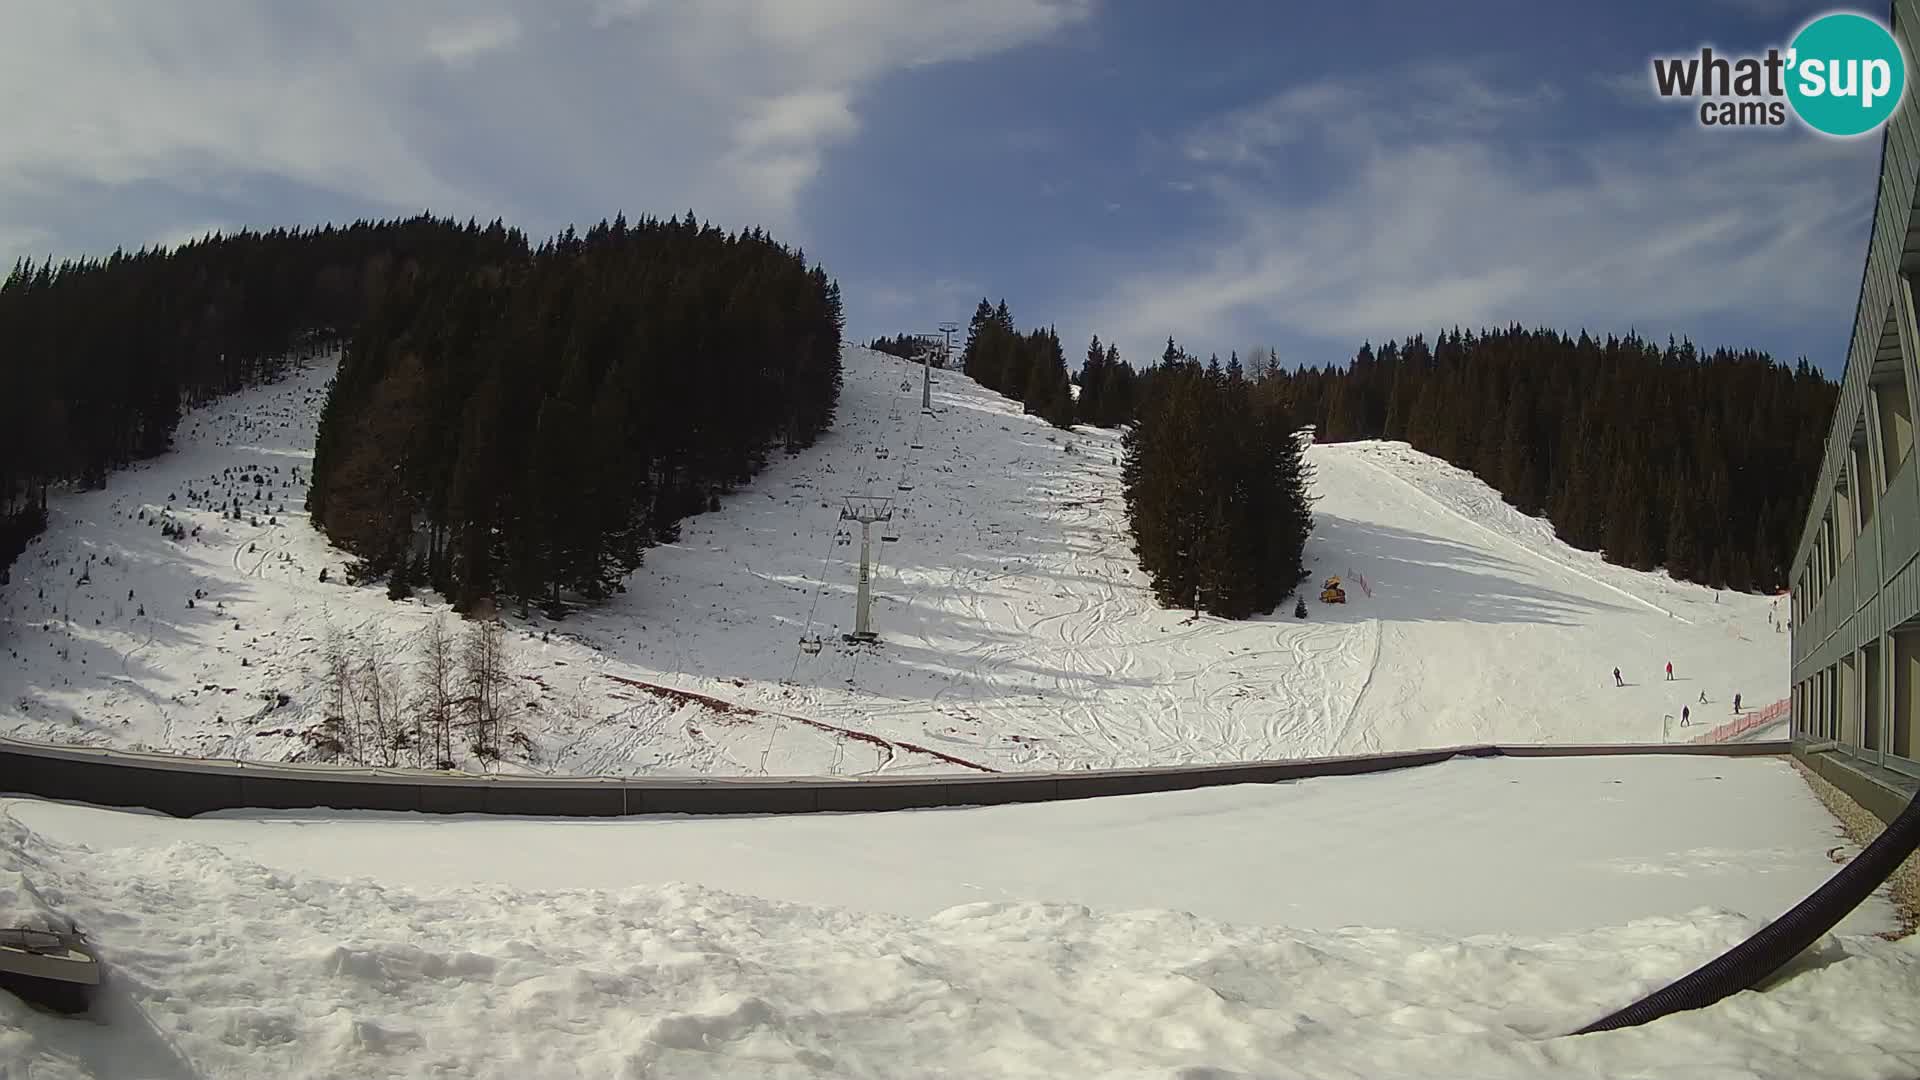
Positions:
{"x": 1746, "y": 964}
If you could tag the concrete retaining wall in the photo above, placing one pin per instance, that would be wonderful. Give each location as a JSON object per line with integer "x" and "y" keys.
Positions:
{"x": 184, "y": 787}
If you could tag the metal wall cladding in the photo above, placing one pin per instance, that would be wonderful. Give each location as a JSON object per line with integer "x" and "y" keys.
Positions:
{"x": 1900, "y": 519}
{"x": 1878, "y": 587}
{"x": 1893, "y": 213}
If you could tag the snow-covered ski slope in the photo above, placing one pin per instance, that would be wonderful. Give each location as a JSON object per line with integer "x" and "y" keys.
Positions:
{"x": 1018, "y": 630}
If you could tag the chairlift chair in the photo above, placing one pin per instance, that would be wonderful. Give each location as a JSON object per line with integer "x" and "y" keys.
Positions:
{"x": 810, "y": 644}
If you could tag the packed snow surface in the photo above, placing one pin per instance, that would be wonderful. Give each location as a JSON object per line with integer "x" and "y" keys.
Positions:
{"x": 1018, "y": 630}
{"x": 1452, "y": 921}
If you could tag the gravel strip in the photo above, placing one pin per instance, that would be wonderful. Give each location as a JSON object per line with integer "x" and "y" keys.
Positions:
{"x": 1862, "y": 828}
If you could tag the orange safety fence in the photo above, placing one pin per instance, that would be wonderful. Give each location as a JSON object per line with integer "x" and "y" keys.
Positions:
{"x": 1747, "y": 722}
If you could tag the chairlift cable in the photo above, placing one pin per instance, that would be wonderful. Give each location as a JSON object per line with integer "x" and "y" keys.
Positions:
{"x": 819, "y": 587}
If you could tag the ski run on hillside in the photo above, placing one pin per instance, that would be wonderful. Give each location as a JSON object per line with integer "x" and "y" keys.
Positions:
{"x": 1017, "y": 632}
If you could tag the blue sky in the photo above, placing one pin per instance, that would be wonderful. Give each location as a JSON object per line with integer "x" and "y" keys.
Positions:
{"x": 1231, "y": 172}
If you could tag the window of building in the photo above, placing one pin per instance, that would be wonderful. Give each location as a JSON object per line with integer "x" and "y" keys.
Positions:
{"x": 1896, "y": 424}
{"x": 1871, "y": 704}
{"x": 1865, "y": 480}
{"x": 1906, "y": 693}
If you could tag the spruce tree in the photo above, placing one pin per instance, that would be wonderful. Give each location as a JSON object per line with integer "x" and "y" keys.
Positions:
{"x": 1093, "y": 383}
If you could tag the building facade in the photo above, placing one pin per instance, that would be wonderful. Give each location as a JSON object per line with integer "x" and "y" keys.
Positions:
{"x": 1856, "y": 582}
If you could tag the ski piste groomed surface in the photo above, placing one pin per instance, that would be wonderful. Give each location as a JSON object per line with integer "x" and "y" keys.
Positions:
{"x": 1019, "y": 633}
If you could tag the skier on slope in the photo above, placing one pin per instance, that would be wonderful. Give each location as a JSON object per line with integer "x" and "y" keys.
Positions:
{"x": 1669, "y": 671}
{"x": 1616, "y": 678}
{"x": 1703, "y": 697}
{"x": 1684, "y": 721}
{"x": 1736, "y": 704}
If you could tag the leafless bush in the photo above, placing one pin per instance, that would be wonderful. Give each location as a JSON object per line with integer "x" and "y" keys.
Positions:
{"x": 435, "y": 697}
{"x": 342, "y": 704}
{"x": 378, "y": 716}
{"x": 379, "y": 706}
{"x": 483, "y": 663}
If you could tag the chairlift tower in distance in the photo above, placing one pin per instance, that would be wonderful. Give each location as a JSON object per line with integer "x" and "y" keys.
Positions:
{"x": 946, "y": 361}
{"x": 865, "y": 509}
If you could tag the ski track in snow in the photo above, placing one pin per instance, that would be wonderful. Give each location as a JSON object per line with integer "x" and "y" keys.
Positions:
{"x": 1019, "y": 631}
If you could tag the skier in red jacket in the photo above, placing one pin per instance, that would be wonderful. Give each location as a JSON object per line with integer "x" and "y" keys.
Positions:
{"x": 1669, "y": 671}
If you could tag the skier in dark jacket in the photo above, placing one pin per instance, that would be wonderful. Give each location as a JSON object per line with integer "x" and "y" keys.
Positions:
{"x": 1616, "y": 678}
{"x": 1684, "y": 721}
{"x": 1736, "y": 704}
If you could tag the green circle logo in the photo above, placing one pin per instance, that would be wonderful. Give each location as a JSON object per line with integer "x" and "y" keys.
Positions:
{"x": 1847, "y": 74}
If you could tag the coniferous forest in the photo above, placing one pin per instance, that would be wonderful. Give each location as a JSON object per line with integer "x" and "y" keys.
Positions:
{"x": 1214, "y": 477}
{"x": 904, "y": 347}
{"x": 1107, "y": 387}
{"x": 525, "y": 428}
{"x": 506, "y": 421}
{"x": 1701, "y": 463}
{"x": 1030, "y": 368}
{"x": 1216, "y": 488}
{"x": 98, "y": 357}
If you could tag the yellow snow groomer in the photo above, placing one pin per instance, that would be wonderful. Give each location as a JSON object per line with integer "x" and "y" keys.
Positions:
{"x": 1332, "y": 593}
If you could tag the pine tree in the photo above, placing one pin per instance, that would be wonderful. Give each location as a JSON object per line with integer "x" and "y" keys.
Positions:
{"x": 1117, "y": 394}
{"x": 972, "y": 359}
{"x": 1216, "y": 492}
{"x": 399, "y": 585}
{"x": 1093, "y": 383}
{"x": 1680, "y": 537}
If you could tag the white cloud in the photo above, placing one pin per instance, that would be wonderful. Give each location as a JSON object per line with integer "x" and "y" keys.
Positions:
{"x": 1637, "y": 87}
{"x": 176, "y": 235}
{"x": 1455, "y": 220}
{"x": 461, "y": 42}
{"x": 23, "y": 242}
{"x": 1423, "y": 102}
{"x": 1772, "y": 9}
{"x": 580, "y": 107}
{"x": 919, "y": 306}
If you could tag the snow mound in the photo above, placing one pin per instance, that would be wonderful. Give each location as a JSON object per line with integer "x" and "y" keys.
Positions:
{"x": 1018, "y": 631}
{"x": 220, "y": 967}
